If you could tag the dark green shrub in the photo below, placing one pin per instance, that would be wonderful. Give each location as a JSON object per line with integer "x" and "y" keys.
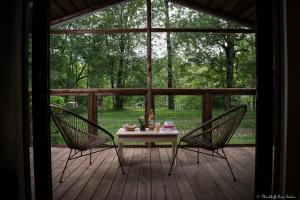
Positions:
{"x": 56, "y": 137}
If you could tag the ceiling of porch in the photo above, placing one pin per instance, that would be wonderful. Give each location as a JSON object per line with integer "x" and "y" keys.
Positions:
{"x": 241, "y": 11}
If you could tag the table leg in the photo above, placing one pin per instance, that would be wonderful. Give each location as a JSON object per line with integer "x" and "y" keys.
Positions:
{"x": 120, "y": 150}
{"x": 174, "y": 151}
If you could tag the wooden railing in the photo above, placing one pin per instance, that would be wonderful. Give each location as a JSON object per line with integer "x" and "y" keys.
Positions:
{"x": 206, "y": 96}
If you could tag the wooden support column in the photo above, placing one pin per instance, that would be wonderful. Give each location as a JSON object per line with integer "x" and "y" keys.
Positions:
{"x": 149, "y": 58}
{"x": 40, "y": 100}
{"x": 92, "y": 110}
{"x": 206, "y": 107}
{"x": 149, "y": 65}
{"x": 146, "y": 110}
{"x": 206, "y": 111}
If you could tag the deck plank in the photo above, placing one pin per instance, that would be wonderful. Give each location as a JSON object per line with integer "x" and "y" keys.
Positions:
{"x": 224, "y": 184}
{"x": 184, "y": 186}
{"x": 71, "y": 168}
{"x": 221, "y": 166}
{"x": 61, "y": 189}
{"x": 146, "y": 175}
{"x": 118, "y": 185}
{"x": 131, "y": 185}
{"x": 80, "y": 183}
{"x": 144, "y": 187}
{"x": 157, "y": 185}
{"x": 243, "y": 172}
{"x": 203, "y": 175}
{"x": 93, "y": 183}
{"x": 191, "y": 174}
{"x": 241, "y": 157}
{"x": 170, "y": 184}
{"x": 108, "y": 179}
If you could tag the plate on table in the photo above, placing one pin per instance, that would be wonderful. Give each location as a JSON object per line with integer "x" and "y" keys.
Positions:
{"x": 168, "y": 129}
{"x": 129, "y": 127}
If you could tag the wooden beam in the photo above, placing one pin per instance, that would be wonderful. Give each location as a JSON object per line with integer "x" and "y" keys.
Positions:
{"x": 264, "y": 99}
{"x": 206, "y": 107}
{"x": 230, "y": 5}
{"x": 219, "y": 13}
{"x": 88, "y": 10}
{"x": 98, "y": 31}
{"x": 204, "y": 30}
{"x": 200, "y": 91}
{"x": 62, "y": 9}
{"x": 73, "y": 5}
{"x": 55, "y": 9}
{"x": 248, "y": 12}
{"x": 144, "y": 30}
{"x": 154, "y": 91}
{"x": 98, "y": 91}
{"x": 149, "y": 58}
{"x": 40, "y": 100}
{"x": 92, "y": 111}
{"x": 207, "y": 113}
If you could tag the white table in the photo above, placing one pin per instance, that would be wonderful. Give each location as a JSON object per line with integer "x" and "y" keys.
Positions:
{"x": 164, "y": 135}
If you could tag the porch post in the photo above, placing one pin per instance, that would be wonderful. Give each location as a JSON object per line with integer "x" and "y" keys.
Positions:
{"x": 40, "y": 99}
{"x": 92, "y": 110}
{"x": 206, "y": 107}
{"x": 206, "y": 111}
{"x": 149, "y": 59}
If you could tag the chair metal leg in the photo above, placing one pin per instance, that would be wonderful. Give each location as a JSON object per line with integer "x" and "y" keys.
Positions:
{"x": 90, "y": 156}
{"x": 229, "y": 166}
{"x": 173, "y": 159}
{"x": 119, "y": 158}
{"x": 66, "y": 165}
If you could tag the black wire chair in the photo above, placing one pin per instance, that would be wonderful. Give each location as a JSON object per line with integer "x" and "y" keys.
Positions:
{"x": 213, "y": 135}
{"x": 81, "y": 135}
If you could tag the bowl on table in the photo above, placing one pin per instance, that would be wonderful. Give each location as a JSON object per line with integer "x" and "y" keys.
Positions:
{"x": 168, "y": 124}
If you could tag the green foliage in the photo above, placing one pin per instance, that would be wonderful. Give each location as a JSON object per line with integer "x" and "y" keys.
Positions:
{"x": 56, "y": 137}
{"x": 119, "y": 60}
{"x": 199, "y": 60}
{"x": 57, "y": 100}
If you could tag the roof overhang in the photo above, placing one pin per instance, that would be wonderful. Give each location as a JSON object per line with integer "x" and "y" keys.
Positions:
{"x": 240, "y": 11}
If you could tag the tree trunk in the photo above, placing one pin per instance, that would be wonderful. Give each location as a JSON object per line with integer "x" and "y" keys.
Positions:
{"x": 230, "y": 56}
{"x": 169, "y": 55}
{"x": 120, "y": 75}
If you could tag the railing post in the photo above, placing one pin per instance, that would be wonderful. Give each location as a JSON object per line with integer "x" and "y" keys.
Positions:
{"x": 146, "y": 109}
{"x": 92, "y": 110}
{"x": 207, "y": 112}
{"x": 206, "y": 107}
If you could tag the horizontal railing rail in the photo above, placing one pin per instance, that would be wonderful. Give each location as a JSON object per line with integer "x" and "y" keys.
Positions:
{"x": 155, "y": 91}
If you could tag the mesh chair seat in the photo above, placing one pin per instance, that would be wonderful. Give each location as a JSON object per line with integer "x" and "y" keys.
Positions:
{"x": 81, "y": 134}
{"x": 214, "y": 134}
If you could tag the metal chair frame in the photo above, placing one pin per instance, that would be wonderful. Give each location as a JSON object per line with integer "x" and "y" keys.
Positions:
{"x": 78, "y": 150}
{"x": 238, "y": 113}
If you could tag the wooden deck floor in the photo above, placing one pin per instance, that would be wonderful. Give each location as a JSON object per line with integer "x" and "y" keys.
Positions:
{"x": 146, "y": 175}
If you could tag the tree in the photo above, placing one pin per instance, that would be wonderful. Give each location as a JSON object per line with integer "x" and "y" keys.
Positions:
{"x": 192, "y": 60}
{"x": 169, "y": 56}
